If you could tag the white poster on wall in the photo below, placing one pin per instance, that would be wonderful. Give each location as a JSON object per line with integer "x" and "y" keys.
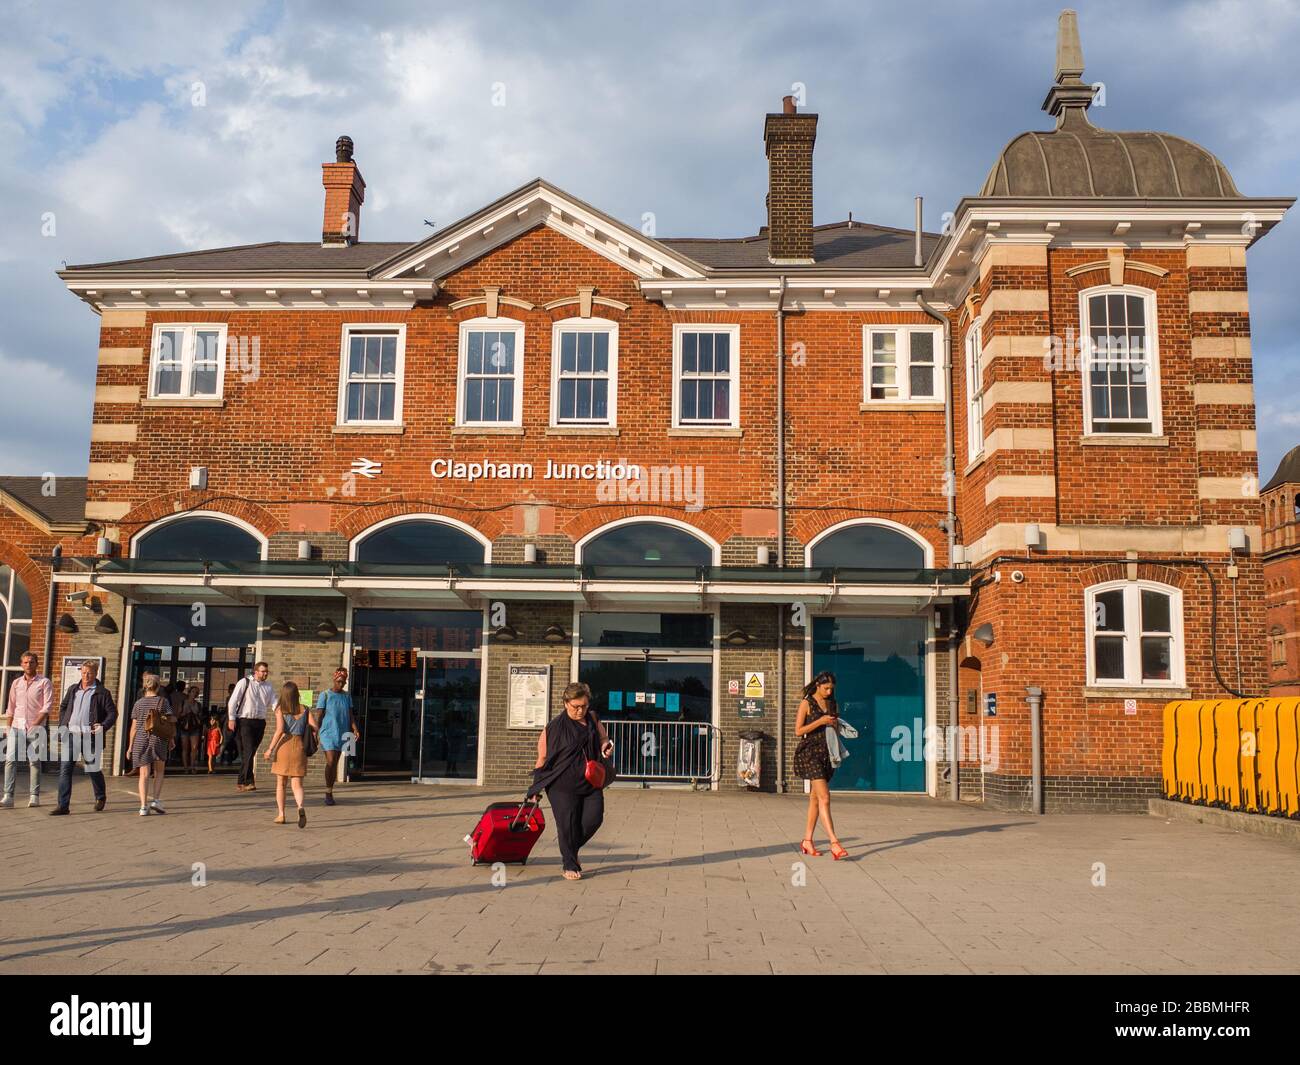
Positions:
{"x": 530, "y": 696}
{"x": 72, "y": 671}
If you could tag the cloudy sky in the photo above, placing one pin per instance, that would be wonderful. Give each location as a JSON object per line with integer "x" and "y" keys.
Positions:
{"x": 632, "y": 107}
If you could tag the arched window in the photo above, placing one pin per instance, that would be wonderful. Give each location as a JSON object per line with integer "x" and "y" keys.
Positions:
{"x": 198, "y": 539}
{"x": 15, "y": 627}
{"x": 419, "y": 542}
{"x": 867, "y": 545}
{"x": 643, "y": 543}
{"x": 1121, "y": 354}
{"x": 1135, "y": 634}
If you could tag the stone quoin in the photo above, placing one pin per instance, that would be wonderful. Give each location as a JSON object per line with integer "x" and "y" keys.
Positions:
{"x": 1001, "y": 480}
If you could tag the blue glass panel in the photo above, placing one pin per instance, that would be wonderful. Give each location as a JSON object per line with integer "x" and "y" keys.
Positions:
{"x": 868, "y": 547}
{"x": 206, "y": 539}
{"x": 168, "y": 626}
{"x": 642, "y": 543}
{"x": 420, "y": 542}
{"x": 879, "y": 667}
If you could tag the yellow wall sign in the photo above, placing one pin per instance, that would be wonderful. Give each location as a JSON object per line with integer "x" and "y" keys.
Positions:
{"x": 753, "y": 685}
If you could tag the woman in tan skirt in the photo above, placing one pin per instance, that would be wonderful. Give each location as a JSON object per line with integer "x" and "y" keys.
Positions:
{"x": 287, "y": 753}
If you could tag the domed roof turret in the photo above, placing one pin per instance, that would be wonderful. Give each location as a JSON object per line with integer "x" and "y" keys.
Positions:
{"x": 1077, "y": 159}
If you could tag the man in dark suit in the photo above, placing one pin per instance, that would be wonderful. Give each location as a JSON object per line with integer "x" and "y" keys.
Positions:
{"x": 88, "y": 712}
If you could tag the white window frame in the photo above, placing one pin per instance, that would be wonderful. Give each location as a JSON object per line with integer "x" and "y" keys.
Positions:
{"x": 1133, "y": 635}
{"x": 396, "y": 329}
{"x": 974, "y": 348}
{"x": 1153, "y": 358}
{"x": 584, "y": 325}
{"x": 497, "y": 325}
{"x": 732, "y": 376}
{"x": 189, "y": 331}
{"x": 903, "y": 362}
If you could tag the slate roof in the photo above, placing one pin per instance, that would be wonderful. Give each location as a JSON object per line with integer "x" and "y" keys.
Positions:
{"x": 66, "y": 506}
{"x": 838, "y": 246}
{"x": 272, "y": 257}
{"x": 1288, "y": 470}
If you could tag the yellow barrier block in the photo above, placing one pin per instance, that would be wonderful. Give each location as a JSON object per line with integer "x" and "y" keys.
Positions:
{"x": 1238, "y": 754}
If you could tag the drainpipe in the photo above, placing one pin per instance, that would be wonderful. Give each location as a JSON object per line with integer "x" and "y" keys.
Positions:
{"x": 950, "y": 494}
{"x": 56, "y": 560}
{"x": 780, "y": 535}
{"x": 1035, "y": 700}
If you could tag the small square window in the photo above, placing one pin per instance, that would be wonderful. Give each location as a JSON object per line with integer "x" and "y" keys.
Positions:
{"x": 187, "y": 362}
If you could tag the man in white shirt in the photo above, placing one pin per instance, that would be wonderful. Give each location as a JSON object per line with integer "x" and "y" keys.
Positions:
{"x": 31, "y": 698}
{"x": 249, "y": 705}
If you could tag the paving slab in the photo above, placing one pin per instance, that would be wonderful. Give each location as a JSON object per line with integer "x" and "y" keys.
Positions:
{"x": 676, "y": 882}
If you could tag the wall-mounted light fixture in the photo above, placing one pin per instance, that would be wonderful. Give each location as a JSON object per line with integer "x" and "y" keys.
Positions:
{"x": 984, "y": 634}
{"x": 555, "y": 634}
{"x": 327, "y": 630}
{"x": 737, "y": 638}
{"x": 66, "y": 623}
{"x": 106, "y": 625}
{"x": 530, "y": 553}
{"x": 278, "y": 627}
{"x": 505, "y": 633}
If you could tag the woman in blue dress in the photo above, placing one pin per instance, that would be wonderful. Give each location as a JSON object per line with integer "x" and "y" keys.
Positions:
{"x": 335, "y": 721}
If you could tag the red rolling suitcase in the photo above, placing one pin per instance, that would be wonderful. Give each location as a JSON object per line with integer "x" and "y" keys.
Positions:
{"x": 507, "y": 832}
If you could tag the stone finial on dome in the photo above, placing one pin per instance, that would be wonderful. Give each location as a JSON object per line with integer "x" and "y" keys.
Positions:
{"x": 1069, "y": 97}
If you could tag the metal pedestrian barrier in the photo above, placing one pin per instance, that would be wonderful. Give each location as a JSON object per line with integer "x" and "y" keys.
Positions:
{"x": 688, "y": 752}
{"x": 1234, "y": 754}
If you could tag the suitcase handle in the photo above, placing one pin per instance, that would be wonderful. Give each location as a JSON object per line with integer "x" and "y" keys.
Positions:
{"x": 519, "y": 823}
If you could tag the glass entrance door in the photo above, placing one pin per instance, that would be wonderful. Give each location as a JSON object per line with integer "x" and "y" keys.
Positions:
{"x": 879, "y": 667}
{"x": 447, "y": 725}
{"x": 416, "y": 686}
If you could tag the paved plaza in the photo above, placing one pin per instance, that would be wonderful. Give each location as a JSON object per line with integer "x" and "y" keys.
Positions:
{"x": 676, "y": 882}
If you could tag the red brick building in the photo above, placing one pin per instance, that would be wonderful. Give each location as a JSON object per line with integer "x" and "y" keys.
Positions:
{"x": 540, "y": 445}
{"x": 1281, "y": 498}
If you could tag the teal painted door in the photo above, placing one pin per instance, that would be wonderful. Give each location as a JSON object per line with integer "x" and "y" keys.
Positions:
{"x": 879, "y": 667}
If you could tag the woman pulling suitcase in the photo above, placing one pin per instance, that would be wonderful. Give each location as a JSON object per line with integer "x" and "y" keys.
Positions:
{"x": 570, "y": 741}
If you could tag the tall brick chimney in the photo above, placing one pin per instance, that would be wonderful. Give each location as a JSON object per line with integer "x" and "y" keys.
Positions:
{"x": 789, "y": 138}
{"x": 345, "y": 192}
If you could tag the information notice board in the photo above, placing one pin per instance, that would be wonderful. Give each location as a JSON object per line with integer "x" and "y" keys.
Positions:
{"x": 530, "y": 696}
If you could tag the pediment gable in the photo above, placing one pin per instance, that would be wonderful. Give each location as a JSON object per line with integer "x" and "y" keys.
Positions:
{"x": 537, "y": 204}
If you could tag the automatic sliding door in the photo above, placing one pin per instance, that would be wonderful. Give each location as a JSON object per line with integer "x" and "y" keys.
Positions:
{"x": 448, "y": 702}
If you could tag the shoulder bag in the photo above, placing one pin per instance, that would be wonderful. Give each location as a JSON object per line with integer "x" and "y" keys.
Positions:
{"x": 598, "y": 772}
{"x": 159, "y": 721}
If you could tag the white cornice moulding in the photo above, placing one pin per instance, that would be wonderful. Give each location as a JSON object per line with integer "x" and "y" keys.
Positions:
{"x": 227, "y": 294}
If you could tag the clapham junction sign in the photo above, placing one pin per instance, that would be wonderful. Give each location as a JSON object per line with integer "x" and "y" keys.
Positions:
{"x": 617, "y": 481}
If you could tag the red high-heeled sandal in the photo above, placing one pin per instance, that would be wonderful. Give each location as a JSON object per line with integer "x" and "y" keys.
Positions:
{"x": 806, "y": 847}
{"x": 838, "y": 852}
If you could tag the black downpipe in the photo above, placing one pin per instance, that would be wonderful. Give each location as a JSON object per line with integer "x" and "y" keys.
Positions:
{"x": 56, "y": 561}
